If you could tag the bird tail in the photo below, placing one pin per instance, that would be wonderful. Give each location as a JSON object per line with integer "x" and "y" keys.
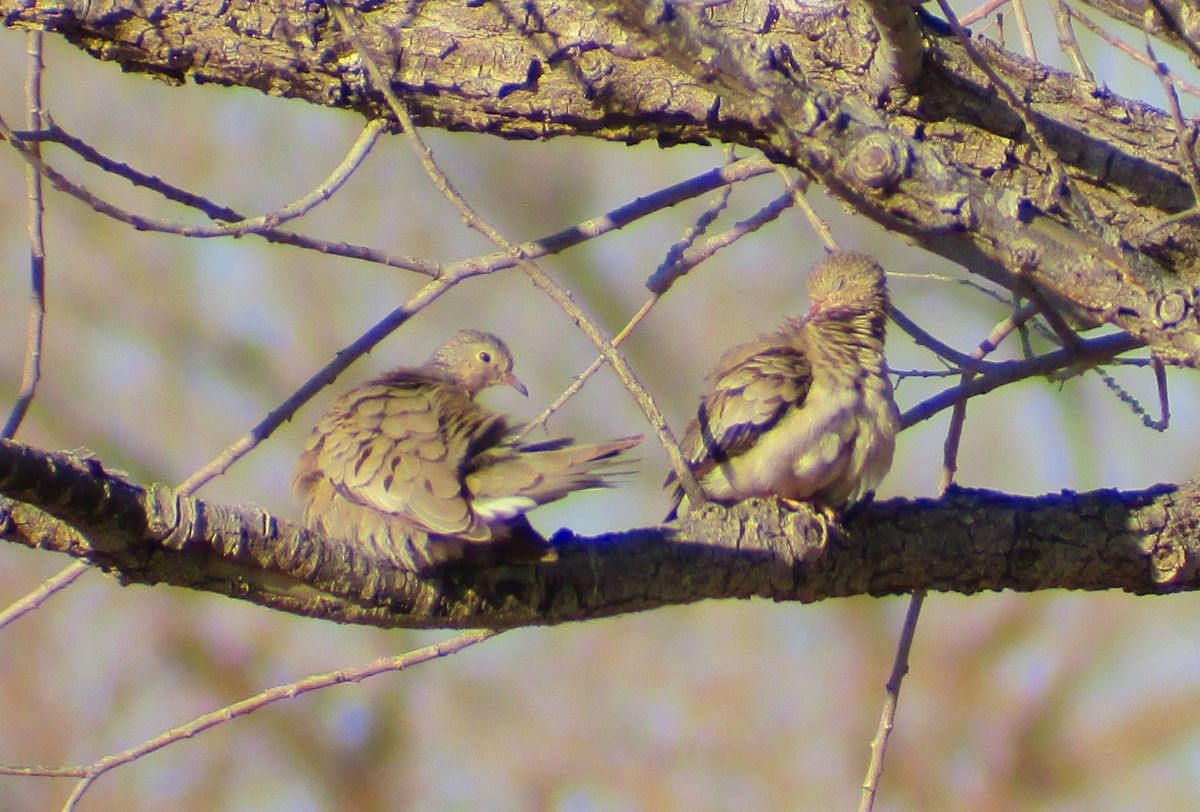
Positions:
{"x": 509, "y": 480}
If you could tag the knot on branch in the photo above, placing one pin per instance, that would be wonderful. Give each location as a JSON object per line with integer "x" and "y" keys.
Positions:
{"x": 879, "y": 161}
{"x": 1171, "y": 309}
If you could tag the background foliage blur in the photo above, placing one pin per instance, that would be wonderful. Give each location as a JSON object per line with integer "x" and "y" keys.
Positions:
{"x": 160, "y": 351}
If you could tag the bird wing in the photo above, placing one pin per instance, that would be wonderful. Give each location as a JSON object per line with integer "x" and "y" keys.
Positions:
{"x": 402, "y": 445}
{"x": 752, "y": 387}
{"x": 510, "y": 479}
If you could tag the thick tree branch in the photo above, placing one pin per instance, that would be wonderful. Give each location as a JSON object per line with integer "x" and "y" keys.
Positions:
{"x": 968, "y": 541}
{"x": 950, "y": 164}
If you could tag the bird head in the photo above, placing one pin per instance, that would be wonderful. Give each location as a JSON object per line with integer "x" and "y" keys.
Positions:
{"x": 846, "y": 285}
{"x": 476, "y": 360}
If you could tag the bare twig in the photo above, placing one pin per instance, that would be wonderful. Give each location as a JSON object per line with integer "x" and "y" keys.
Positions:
{"x": 1067, "y": 40}
{"x": 1018, "y": 7}
{"x": 818, "y": 224}
{"x": 958, "y": 418}
{"x": 949, "y": 467}
{"x": 699, "y": 228}
{"x": 919, "y": 335}
{"x": 91, "y": 772}
{"x": 1187, "y": 158}
{"x": 1131, "y": 52}
{"x": 1163, "y": 421}
{"x": 683, "y": 260}
{"x": 591, "y": 370}
{"x": 972, "y": 17}
{"x": 663, "y": 278}
{"x": 901, "y": 374}
{"x": 292, "y": 210}
{"x": 31, "y": 370}
{"x": 1090, "y": 351}
{"x": 454, "y": 273}
{"x": 891, "y": 701}
{"x": 51, "y": 132}
{"x": 23, "y": 606}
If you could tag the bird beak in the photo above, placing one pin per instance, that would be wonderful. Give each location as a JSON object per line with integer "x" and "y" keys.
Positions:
{"x": 515, "y": 382}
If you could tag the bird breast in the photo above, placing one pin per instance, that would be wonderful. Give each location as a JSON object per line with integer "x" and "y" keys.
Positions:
{"x": 833, "y": 449}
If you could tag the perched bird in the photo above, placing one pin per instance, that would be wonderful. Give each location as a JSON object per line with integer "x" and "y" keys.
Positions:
{"x": 411, "y": 471}
{"x": 805, "y": 413}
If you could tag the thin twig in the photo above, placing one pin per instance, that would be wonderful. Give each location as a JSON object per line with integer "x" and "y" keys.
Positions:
{"x": 700, "y": 227}
{"x": 1067, "y": 40}
{"x": 901, "y": 374}
{"x": 23, "y": 606}
{"x": 919, "y": 335}
{"x": 815, "y": 221}
{"x": 456, "y": 272}
{"x": 663, "y": 278}
{"x": 1090, "y": 351}
{"x": 891, "y": 701}
{"x": 252, "y": 225}
{"x": 978, "y": 14}
{"x": 1018, "y": 7}
{"x": 1163, "y": 421}
{"x": 91, "y": 772}
{"x": 591, "y": 370}
{"x": 323, "y": 191}
{"x": 958, "y": 418}
{"x": 1186, "y": 157}
{"x": 949, "y": 466}
{"x": 560, "y": 297}
{"x": 216, "y": 211}
{"x": 31, "y": 369}
{"x": 327, "y": 374}
{"x": 51, "y": 132}
{"x": 683, "y": 260}
{"x": 1130, "y": 51}
{"x": 555, "y": 243}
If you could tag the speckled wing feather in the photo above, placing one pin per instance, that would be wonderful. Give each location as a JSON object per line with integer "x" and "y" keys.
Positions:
{"x": 752, "y": 387}
{"x": 408, "y": 469}
{"x": 808, "y": 412}
{"x": 400, "y": 446}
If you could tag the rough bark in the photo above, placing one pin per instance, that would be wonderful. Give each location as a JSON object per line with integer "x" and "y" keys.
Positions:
{"x": 968, "y": 541}
{"x": 934, "y": 150}
{"x": 945, "y": 159}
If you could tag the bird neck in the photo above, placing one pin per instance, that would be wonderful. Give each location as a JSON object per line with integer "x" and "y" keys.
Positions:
{"x": 446, "y": 372}
{"x": 845, "y": 340}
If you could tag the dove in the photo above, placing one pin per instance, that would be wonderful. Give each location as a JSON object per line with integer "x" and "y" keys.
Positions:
{"x": 805, "y": 413}
{"x": 411, "y": 471}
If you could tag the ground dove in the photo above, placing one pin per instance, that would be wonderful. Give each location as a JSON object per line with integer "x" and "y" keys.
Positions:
{"x": 805, "y": 413}
{"x": 409, "y": 470}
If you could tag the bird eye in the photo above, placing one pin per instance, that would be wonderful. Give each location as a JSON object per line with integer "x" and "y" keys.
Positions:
{"x": 485, "y": 356}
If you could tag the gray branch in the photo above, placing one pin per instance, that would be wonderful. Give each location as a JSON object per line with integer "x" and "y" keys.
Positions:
{"x": 947, "y": 162}
{"x": 968, "y": 541}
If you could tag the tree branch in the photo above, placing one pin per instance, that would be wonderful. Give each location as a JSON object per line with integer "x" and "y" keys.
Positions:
{"x": 967, "y": 541}
{"x": 954, "y": 166}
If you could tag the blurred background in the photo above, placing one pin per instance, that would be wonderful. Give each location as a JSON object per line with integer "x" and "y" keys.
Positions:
{"x": 161, "y": 351}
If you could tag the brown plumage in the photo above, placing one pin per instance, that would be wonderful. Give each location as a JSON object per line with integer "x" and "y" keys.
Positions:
{"x": 410, "y": 470}
{"x": 806, "y": 412}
